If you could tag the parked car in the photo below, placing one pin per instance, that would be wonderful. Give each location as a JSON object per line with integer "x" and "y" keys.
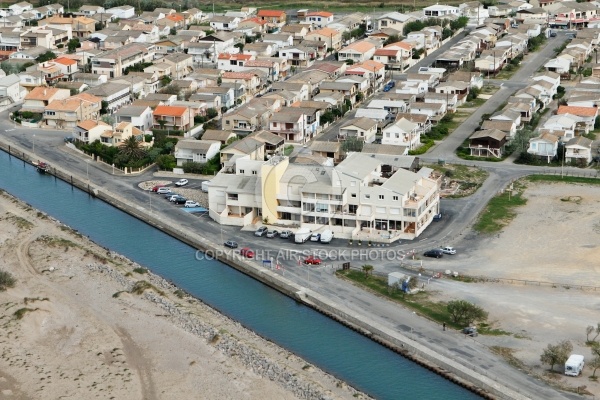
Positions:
{"x": 191, "y": 204}
{"x": 180, "y": 200}
{"x": 231, "y": 244}
{"x": 470, "y": 331}
{"x": 69, "y": 139}
{"x": 448, "y": 250}
{"x": 552, "y": 34}
{"x": 315, "y": 237}
{"x": 285, "y": 234}
{"x": 386, "y": 88}
{"x": 246, "y": 252}
{"x": 312, "y": 260}
{"x": 174, "y": 197}
{"x": 260, "y": 231}
{"x": 171, "y": 194}
{"x": 271, "y": 233}
{"x": 438, "y": 217}
{"x": 163, "y": 190}
{"x": 182, "y": 182}
{"x": 155, "y": 188}
{"x": 392, "y": 83}
{"x": 435, "y": 253}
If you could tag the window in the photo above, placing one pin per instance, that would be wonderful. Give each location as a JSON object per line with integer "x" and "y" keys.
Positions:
{"x": 381, "y": 197}
{"x": 395, "y": 198}
{"x": 50, "y": 113}
{"x": 322, "y": 207}
{"x": 241, "y": 171}
{"x": 353, "y": 195}
{"x": 367, "y": 196}
{"x": 254, "y": 172}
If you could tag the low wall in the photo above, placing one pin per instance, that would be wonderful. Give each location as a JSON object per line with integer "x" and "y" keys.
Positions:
{"x": 395, "y": 341}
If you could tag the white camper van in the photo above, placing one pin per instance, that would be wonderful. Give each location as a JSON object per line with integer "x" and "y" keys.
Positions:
{"x": 326, "y": 236}
{"x": 205, "y": 186}
{"x": 302, "y": 235}
{"x": 574, "y": 365}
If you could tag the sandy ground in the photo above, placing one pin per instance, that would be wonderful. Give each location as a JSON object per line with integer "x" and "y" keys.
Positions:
{"x": 75, "y": 340}
{"x": 554, "y": 238}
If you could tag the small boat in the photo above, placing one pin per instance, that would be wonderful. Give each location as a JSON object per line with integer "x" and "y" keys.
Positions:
{"x": 42, "y": 167}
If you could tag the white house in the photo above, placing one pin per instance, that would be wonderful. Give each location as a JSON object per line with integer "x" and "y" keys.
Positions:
{"x": 138, "y": 116}
{"x": 122, "y": 12}
{"x": 558, "y": 65}
{"x": 440, "y": 11}
{"x": 402, "y": 133}
{"x": 579, "y": 149}
{"x": 544, "y": 145}
{"x": 319, "y": 18}
{"x": 362, "y": 128}
{"x": 10, "y": 86}
{"x": 199, "y": 151}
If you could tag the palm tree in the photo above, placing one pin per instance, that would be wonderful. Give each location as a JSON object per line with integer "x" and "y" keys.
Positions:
{"x": 368, "y": 269}
{"x": 132, "y": 149}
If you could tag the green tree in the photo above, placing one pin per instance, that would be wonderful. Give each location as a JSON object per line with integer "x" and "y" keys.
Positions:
{"x": 173, "y": 31}
{"x": 166, "y": 162}
{"x": 352, "y": 144}
{"x": 7, "y": 280}
{"x": 73, "y": 44}
{"x": 165, "y": 80}
{"x": 103, "y": 107}
{"x": 162, "y": 123}
{"x": 132, "y": 149}
{"x": 368, "y": 269}
{"x": 47, "y": 56}
{"x": 212, "y": 113}
{"x": 391, "y": 39}
{"x": 326, "y": 118}
{"x": 556, "y": 354}
{"x": 464, "y": 312}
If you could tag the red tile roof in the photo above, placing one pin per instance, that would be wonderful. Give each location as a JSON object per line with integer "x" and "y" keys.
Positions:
{"x": 388, "y": 53}
{"x": 271, "y": 13}
{"x": 65, "y": 61}
{"x": 175, "y": 17}
{"x": 171, "y": 111}
{"x": 319, "y": 14}
{"x": 579, "y": 111}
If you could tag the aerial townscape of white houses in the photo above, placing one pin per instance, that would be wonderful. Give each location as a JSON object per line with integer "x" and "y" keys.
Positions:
{"x": 271, "y": 84}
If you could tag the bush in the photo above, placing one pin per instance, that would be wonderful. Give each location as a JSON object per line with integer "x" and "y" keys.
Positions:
{"x": 7, "y": 280}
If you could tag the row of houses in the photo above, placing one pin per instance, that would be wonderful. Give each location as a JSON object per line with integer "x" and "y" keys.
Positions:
{"x": 575, "y": 53}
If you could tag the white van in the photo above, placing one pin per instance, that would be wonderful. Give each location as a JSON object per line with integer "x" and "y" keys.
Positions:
{"x": 326, "y": 236}
{"x": 302, "y": 235}
{"x": 205, "y": 186}
{"x": 574, "y": 365}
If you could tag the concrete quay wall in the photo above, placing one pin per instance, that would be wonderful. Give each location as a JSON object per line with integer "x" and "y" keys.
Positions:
{"x": 394, "y": 340}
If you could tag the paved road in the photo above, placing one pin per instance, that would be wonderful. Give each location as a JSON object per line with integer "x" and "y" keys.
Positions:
{"x": 446, "y": 148}
{"x": 429, "y": 60}
{"x": 460, "y": 213}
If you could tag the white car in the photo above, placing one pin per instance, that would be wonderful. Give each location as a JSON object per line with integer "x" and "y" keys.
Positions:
{"x": 163, "y": 190}
{"x": 449, "y": 250}
{"x": 182, "y": 182}
{"x": 191, "y": 204}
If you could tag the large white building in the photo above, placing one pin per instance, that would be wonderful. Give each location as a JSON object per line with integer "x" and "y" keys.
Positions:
{"x": 363, "y": 196}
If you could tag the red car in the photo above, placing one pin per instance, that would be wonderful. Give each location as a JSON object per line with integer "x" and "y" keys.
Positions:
{"x": 246, "y": 252}
{"x": 155, "y": 188}
{"x": 312, "y": 260}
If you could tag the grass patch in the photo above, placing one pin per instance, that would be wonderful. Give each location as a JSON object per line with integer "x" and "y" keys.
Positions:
{"x": 179, "y": 293}
{"x": 141, "y": 286}
{"x": 19, "y": 222}
{"x": 140, "y": 270}
{"x": 564, "y": 179}
{"x": 499, "y": 212}
{"x": 486, "y": 329}
{"x": 28, "y": 300}
{"x": 418, "y": 302}
{"x": 20, "y": 313}
{"x": 508, "y": 354}
{"x": 54, "y": 241}
{"x": 7, "y": 280}
{"x": 476, "y": 103}
{"x": 469, "y": 178}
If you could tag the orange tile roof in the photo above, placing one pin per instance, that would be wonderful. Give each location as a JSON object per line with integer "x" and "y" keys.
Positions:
{"x": 65, "y": 61}
{"x": 238, "y": 75}
{"x": 370, "y": 64}
{"x": 404, "y": 45}
{"x": 175, "y": 18}
{"x": 270, "y": 13}
{"x": 171, "y": 111}
{"x": 319, "y": 14}
{"x": 63, "y": 105}
{"x": 255, "y": 20}
{"x": 579, "y": 111}
{"x": 361, "y": 47}
{"x": 324, "y": 32}
{"x": 386, "y": 52}
{"x": 228, "y": 56}
{"x": 41, "y": 93}
{"x": 87, "y": 97}
{"x": 87, "y": 124}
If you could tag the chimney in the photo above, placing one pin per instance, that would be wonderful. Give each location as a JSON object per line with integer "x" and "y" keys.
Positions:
{"x": 44, "y": 92}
